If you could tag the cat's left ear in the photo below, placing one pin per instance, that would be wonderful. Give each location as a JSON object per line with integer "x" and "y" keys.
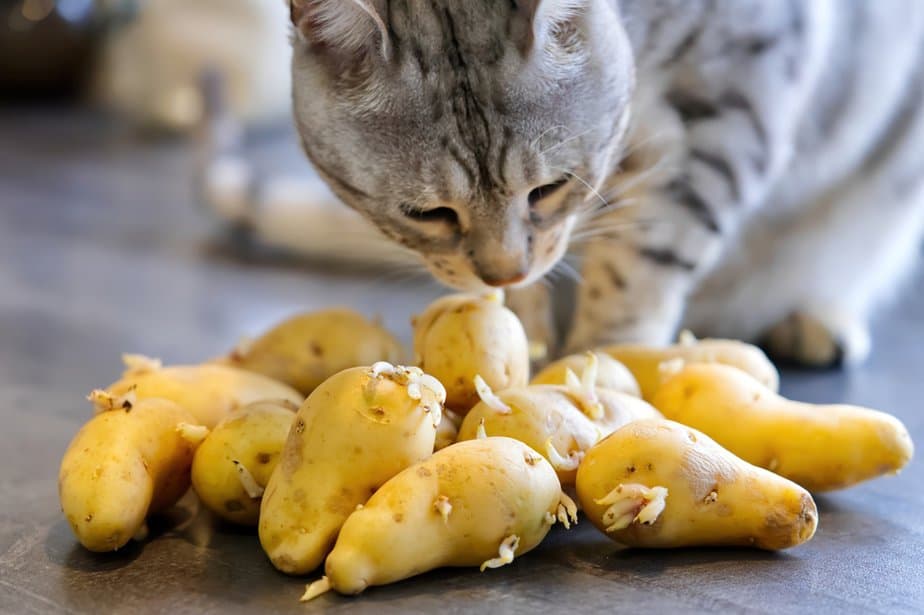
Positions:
{"x": 347, "y": 26}
{"x": 543, "y": 16}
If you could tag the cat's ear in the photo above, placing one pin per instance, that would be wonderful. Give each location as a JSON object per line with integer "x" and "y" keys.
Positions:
{"x": 544, "y": 16}
{"x": 350, "y": 27}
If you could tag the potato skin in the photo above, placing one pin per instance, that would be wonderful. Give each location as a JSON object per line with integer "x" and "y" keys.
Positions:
{"x": 611, "y": 374}
{"x": 209, "y": 392}
{"x": 121, "y": 466}
{"x": 540, "y": 412}
{"x": 253, "y": 436}
{"x": 645, "y": 361}
{"x": 713, "y": 498}
{"x": 307, "y": 349}
{"x": 495, "y": 487}
{"x": 352, "y": 434}
{"x": 462, "y": 336}
{"x": 820, "y": 447}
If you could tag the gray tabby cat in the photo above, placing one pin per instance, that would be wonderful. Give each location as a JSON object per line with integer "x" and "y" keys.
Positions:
{"x": 745, "y": 168}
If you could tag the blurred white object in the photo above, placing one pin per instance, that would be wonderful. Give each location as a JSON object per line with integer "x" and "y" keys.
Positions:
{"x": 150, "y": 66}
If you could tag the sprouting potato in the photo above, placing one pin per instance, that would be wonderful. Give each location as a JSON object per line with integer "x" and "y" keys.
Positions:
{"x": 307, "y": 349}
{"x": 448, "y": 430}
{"x": 460, "y": 336}
{"x": 209, "y": 392}
{"x": 645, "y": 362}
{"x": 234, "y": 462}
{"x": 608, "y": 373}
{"x": 354, "y": 432}
{"x": 123, "y": 465}
{"x": 657, "y": 483}
{"x": 477, "y": 503}
{"x": 821, "y": 447}
{"x": 559, "y": 422}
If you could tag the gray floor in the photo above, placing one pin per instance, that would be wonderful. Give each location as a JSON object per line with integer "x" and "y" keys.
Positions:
{"x": 101, "y": 252}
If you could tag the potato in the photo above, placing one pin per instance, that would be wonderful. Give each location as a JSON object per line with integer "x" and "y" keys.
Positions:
{"x": 120, "y": 467}
{"x": 554, "y": 420}
{"x": 234, "y": 462}
{"x": 209, "y": 392}
{"x": 354, "y": 432}
{"x": 603, "y": 372}
{"x": 645, "y": 361}
{"x": 657, "y": 483}
{"x": 820, "y": 447}
{"x": 477, "y": 503}
{"x": 461, "y": 336}
{"x": 307, "y": 349}
{"x": 448, "y": 430}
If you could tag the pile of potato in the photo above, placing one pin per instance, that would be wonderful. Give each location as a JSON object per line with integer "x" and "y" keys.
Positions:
{"x": 386, "y": 471}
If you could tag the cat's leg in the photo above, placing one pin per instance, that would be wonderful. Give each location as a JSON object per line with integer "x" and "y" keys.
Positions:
{"x": 854, "y": 254}
{"x": 721, "y": 126}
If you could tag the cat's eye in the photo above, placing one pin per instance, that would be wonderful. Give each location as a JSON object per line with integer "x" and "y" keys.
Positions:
{"x": 543, "y": 192}
{"x": 446, "y": 215}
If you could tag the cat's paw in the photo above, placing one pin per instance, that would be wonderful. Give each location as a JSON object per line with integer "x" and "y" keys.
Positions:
{"x": 819, "y": 338}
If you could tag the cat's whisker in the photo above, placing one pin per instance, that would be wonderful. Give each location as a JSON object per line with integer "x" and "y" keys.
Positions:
{"x": 594, "y": 192}
{"x": 640, "y": 177}
{"x": 637, "y": 145}
{"x": 565, "y": 141}
{"x": 545, "y": 132}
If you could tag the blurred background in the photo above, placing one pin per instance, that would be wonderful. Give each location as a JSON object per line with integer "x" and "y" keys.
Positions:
{"x": 142, "y": 58}
{"x": 103, "y": 229}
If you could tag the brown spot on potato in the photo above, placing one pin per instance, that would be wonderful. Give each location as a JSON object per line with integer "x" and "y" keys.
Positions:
{"x": 233, "y": 506}
{"x": 263, "y": 458}
{"x": 398, "y": 517}
{"x": 630, "y": 470}
{"x": 422, "y": 471}
{"x": 299, "y": 426}
{"x": 689, "y": 391}
{"x": 316, "y": 350}
{"x": 88, "y": 518}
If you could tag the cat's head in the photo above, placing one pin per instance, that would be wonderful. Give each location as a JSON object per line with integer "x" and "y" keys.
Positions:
{"x": 473, "y": 132}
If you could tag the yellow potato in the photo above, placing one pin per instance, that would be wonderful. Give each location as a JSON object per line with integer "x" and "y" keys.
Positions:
{"x": 354, "y": 432}
{"x": 645, "y": 361}
{"x": 476, "y": 503}
{"x": 121, "y": 466}
{"x": 657, "y": 483}
{"x": 307, "y": 349}
{"x": 208, "y": 391}
{"x": 554, "y": 420}
{"x": 234, "y": 462}
{"x": 461, "y": 336}
{"x": 820, "y": 447}
{"x": 604, "y": 371}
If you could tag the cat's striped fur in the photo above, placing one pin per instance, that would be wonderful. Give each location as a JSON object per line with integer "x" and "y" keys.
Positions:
{"x": 741, "y": 166}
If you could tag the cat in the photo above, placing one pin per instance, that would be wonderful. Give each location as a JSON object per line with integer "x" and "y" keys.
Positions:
{"x": 743, "y": 168}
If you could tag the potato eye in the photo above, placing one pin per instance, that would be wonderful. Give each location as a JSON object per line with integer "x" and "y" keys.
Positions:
{"x": 542, "y": 192}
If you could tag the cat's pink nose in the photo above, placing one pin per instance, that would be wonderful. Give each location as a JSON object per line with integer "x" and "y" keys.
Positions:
{"x": 504, "y": 281}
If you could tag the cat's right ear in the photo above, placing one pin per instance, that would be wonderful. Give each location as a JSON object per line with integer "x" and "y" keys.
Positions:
{"x": 543, "y": 16}
{"x": 346, "y": 27}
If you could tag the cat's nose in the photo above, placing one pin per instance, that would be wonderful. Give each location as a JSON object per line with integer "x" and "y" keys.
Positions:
{"x": 501, "y": 269}
{"x": 508, "y": 280}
